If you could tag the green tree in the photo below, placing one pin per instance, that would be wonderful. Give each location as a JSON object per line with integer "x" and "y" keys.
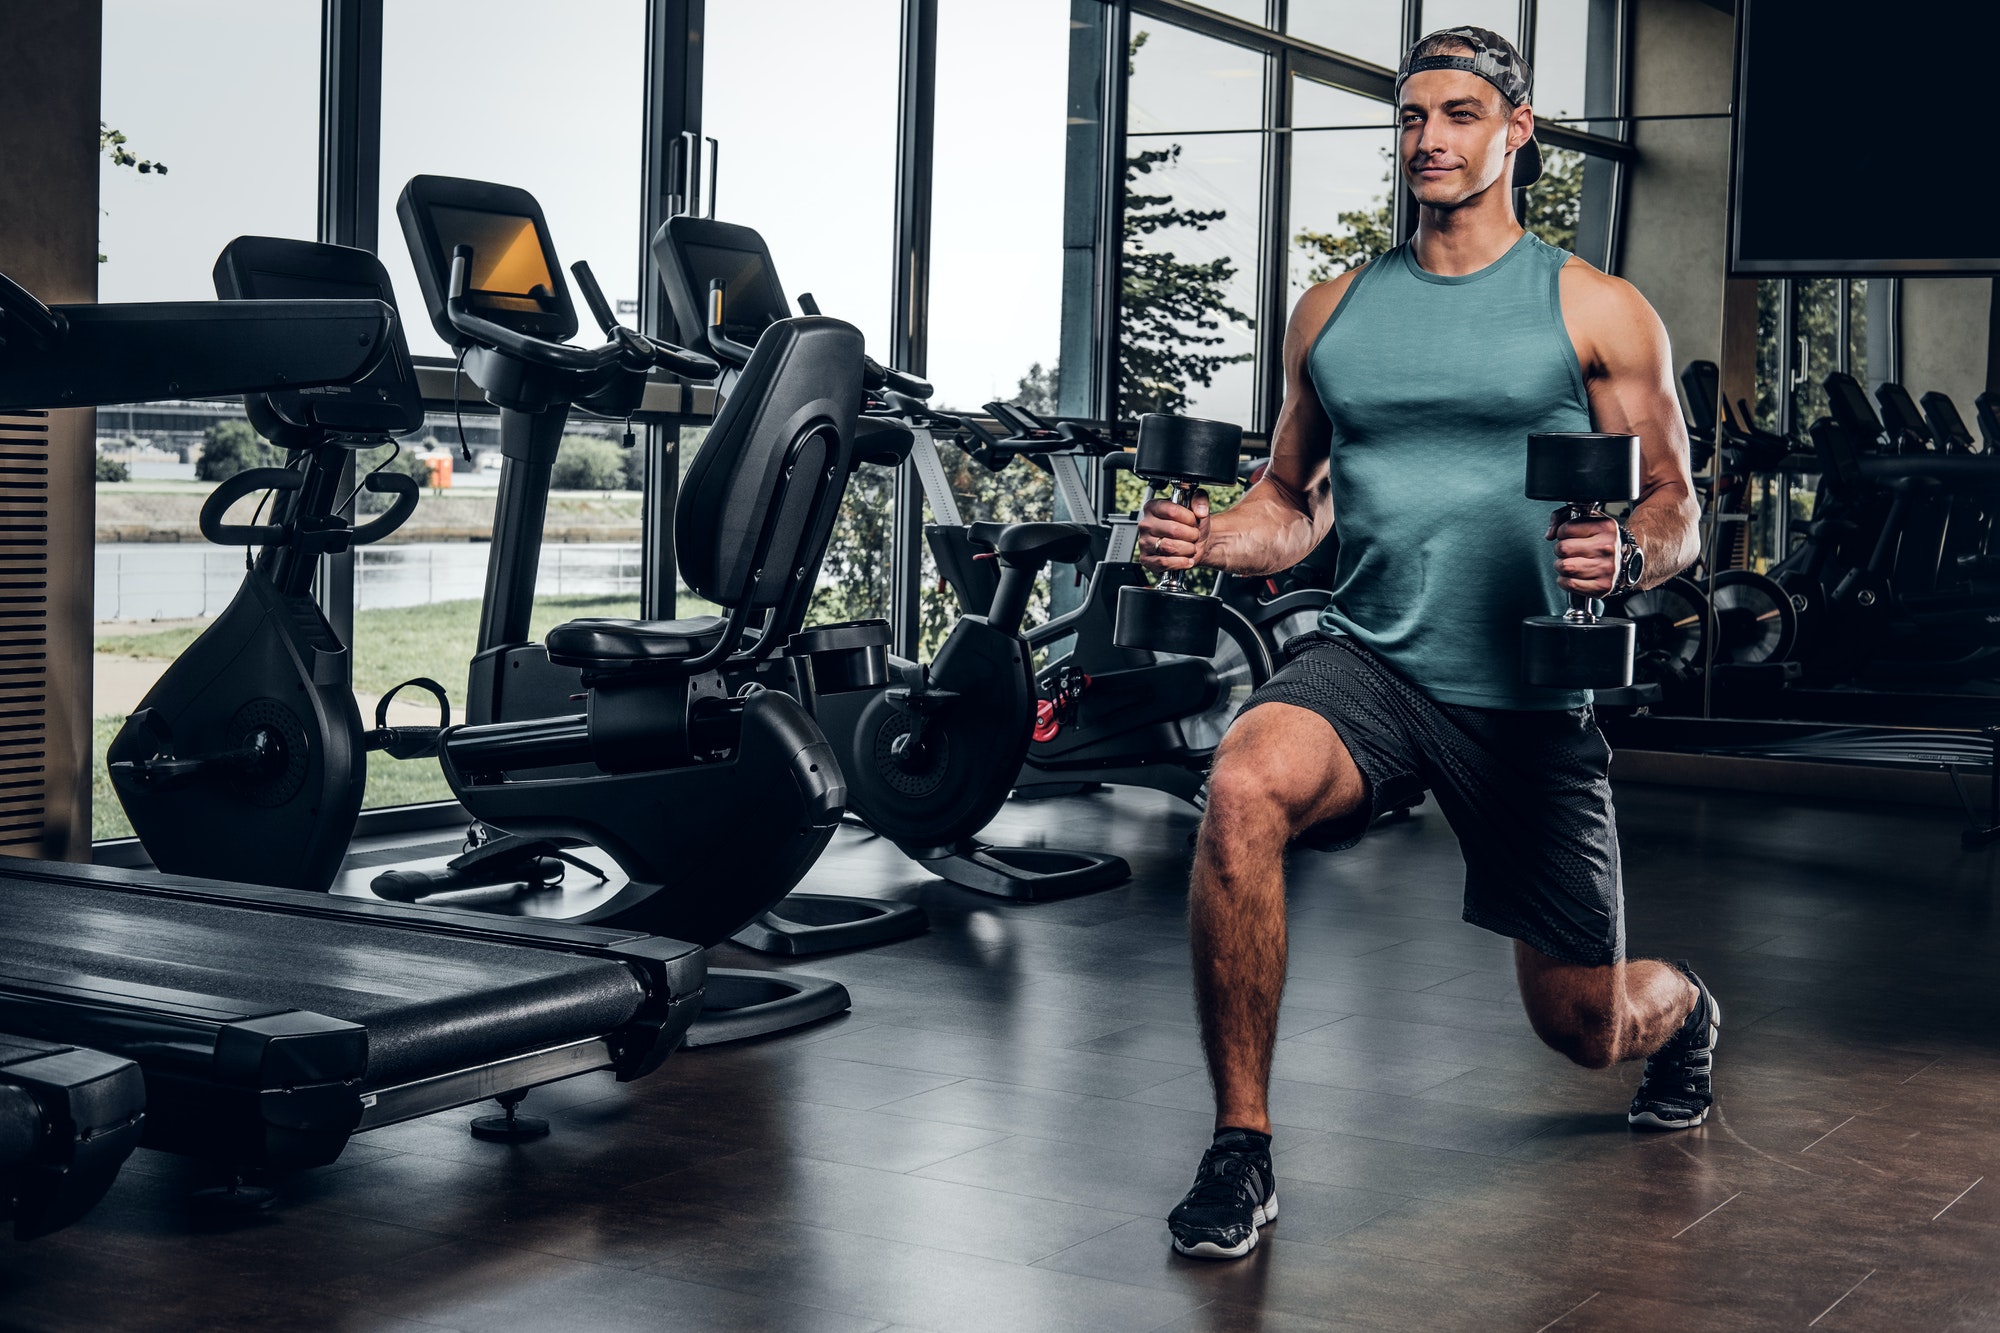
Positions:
{"x": 111, "y": 469}
{"x": 587, "y": 463}
{"x": 1040, "y": 390}
{"x": 1172, "y": 307}
{"x": 111, "y": 143}
{"x": 229, "y": 447}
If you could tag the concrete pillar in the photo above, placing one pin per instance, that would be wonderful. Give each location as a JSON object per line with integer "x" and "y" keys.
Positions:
{"x": 48, "y": 244}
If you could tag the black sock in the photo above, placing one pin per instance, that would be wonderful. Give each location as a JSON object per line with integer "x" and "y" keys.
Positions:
{"x": 1258, "y": 1142}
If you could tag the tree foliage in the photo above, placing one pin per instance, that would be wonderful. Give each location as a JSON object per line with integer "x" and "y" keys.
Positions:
{"x": 1172, "y": 308}
{"x": 112, "y": 469}
{"x": 230, "y": 447}
{"x": 588, "y": 463}
{"x": 112, "y": 143}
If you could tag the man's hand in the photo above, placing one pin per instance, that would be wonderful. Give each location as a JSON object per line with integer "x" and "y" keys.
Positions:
{"x": 1171, "y": 537}
{"x": 1586, "y": 554}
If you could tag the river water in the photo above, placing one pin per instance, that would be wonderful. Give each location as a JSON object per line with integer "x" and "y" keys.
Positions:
{"x": 182, "y": 580}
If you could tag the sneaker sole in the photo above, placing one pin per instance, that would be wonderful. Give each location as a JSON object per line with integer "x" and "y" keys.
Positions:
{"x": 1266, "y": 1214}
{"x": 1646, "y": 1119}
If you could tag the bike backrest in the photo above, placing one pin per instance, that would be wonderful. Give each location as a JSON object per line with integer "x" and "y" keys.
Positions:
{"x": 1852, "y": 411}
{"x": 1701, "y": 381}
{"x": 387, "y": 402}
{"x": 1987, "y": 407}
{"x": 692, "y": 252}
{"x": 760, "y": 497}
{"x": 1900, "y": 414}
{"x": 1946, "y": 424}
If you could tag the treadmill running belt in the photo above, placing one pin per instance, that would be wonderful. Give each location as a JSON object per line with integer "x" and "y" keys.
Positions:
{"x": 415, "y": 993}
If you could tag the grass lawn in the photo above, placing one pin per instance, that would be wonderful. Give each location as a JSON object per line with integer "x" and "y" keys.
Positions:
{"x": 391, "y": 645}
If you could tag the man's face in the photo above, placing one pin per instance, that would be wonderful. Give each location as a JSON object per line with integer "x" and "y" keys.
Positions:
{"x": 1456, "y": 132}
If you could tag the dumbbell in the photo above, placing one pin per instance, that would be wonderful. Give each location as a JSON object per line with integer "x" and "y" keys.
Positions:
{"x": 1580, "y": 649}
{"x": 1178, "y": 455}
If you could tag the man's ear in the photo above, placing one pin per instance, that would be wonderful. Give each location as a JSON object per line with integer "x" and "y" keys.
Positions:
{"x": 1520, "y": 127}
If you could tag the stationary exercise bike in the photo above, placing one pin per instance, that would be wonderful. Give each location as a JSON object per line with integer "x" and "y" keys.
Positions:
{"x": 633, "y": 738}
{"x": 1125, "y": 716}
{"x": 928, "y": 750}
{"x": 247, "y": 760}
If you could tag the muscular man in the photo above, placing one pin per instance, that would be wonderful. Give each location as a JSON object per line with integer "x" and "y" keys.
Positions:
{"x": 1412, "y": 384}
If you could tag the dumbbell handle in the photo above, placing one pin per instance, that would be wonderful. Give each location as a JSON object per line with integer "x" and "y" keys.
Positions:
{"x": 1583, "y": 608}
{"x": 1182, "y": 494}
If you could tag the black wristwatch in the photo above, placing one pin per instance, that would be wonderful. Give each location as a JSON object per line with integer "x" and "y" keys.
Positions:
{"x": 1631, "y": 563}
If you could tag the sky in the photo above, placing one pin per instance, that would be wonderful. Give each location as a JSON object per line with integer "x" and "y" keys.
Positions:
{"x": 801, "y": 95}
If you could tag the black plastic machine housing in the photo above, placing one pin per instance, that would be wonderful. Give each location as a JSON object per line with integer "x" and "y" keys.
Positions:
{"x": 69, "y": 1118}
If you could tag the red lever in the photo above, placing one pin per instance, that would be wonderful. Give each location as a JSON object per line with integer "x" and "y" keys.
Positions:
{"x": 1046, "y": 726}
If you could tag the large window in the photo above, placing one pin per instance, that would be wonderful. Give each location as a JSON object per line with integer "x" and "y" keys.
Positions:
{"x": 575, "y": 146}
{"x": 1193, "y": 193}
{"x": 1365, "y": 29}
{"x": 179, "y": 97}
{"x": 801, "y": 98}
{"x": 1252, "y": 163}
{"x": 1343, "y": 167}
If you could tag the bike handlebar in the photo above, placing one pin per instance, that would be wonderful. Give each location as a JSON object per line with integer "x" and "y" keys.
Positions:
{"x": 45, "y": 324}
{"x": 633, "y": 350}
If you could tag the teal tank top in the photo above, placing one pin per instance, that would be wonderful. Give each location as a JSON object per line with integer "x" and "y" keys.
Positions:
{"x": 1433, "y": 385}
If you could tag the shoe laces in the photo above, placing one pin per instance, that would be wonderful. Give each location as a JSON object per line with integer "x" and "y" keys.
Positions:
{"x": 1224, "y": 1178}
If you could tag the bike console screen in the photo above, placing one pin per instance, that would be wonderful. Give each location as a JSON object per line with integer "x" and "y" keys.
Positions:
{"x": 509, "y": 270}
{"x": 266, "y": 268}
{"x": 514, "y": 279}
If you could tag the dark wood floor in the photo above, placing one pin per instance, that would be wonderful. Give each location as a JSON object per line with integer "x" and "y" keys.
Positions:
{"x": 992, "y": 1137}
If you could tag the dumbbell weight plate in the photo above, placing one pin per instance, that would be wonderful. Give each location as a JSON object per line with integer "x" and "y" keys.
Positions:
{"x": 1568, "y": 655}
{"x": 1188, "y": 449}
{"x": 1571, "y": 466}
{"x": 1167, "y": 622}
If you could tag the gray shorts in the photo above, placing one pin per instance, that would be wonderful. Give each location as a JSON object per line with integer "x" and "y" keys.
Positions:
{"x": 1527, "y": 792}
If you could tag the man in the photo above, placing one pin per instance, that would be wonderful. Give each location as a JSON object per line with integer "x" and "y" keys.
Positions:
{"x": 1412, "y": 384}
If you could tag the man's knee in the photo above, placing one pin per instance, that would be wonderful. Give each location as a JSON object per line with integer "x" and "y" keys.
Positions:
{"x": 1244, "y": 816}
{"x": 1280, "y": 770}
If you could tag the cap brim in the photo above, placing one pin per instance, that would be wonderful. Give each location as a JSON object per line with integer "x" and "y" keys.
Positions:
{"x": 1527, "y": 165}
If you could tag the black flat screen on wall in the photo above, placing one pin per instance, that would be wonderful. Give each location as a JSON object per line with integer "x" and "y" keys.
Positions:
{"x": 1864, "y": 138}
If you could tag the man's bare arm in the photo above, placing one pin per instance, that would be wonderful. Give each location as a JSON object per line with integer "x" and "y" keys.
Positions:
{"x": 1628, "y": 373}
{"x": 1282, "y": 518}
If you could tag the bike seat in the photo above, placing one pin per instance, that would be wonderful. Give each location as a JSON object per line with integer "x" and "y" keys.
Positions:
{"x": 614, "y": 644}
{"x": 882, "y": 441}
{"x": 1030, "y": 545}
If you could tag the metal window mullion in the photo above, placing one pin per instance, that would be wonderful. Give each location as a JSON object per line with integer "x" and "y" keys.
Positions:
{"x": 350, "y": 169}
{"x": 1273, "y": 256}
{"x": 1111, "y": 209}
{"x": 909, "y": 333}
{"x": 674, "y": 47}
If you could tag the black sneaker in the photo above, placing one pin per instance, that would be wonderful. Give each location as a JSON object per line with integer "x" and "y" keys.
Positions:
{"x": 1675, "y": 1092}
{"x": 1233, "y": 1195}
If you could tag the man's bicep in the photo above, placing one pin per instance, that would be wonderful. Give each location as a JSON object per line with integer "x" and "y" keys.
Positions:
{"x": 1634, "y": 393}
{"x": 1303, "y": 434}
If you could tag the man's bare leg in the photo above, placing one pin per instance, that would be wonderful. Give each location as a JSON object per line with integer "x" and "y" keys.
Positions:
{"x": 1280, "y": 770}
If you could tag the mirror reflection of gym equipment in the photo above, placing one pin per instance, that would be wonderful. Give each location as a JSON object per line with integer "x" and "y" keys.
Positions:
{"x": 550, "y": 778}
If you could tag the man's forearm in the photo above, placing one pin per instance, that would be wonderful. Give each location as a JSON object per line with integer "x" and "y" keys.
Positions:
{"x": 1267, "y": 531}
{"x": 1667, "y": 526}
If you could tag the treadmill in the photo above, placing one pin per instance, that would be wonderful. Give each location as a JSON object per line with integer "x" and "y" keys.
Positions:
{"x": 68, "y": 1120}
{"x": 271, "y": 1025}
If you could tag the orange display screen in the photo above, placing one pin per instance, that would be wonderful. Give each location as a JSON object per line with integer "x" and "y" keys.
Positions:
{"x": 509, "y": 270}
